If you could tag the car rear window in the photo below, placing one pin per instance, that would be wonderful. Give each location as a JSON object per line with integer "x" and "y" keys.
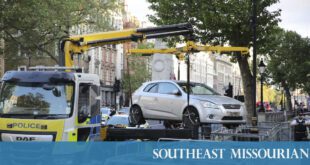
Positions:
{"x": 152, "y": 88}
{"x": 198, "y": 89}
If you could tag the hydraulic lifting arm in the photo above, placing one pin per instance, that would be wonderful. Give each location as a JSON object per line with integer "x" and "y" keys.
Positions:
{"x": 81, "y": 43}
{"x": 191, "y": 47}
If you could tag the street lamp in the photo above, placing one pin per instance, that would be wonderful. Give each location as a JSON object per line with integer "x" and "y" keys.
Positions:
{"x": 261, "y": 68}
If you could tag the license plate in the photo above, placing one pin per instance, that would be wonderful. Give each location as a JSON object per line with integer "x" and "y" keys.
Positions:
{"x": 25, "y": 137}
{"x": 234, "y": 113}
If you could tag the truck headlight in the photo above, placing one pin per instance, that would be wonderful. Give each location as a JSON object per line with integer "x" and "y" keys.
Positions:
{"x": 207, "y": 104}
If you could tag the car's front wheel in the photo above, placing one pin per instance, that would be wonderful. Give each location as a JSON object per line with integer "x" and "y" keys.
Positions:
{"x": 136, "y": 116}
{"x": 190, "y": 118}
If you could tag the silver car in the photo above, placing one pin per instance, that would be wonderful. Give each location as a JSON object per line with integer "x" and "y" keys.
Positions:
{"x": 167, "y": 100}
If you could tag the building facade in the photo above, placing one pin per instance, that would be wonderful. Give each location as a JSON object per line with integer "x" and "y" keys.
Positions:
{"x": 202, "y": 68}
{"x": 105, "y": 61}
{"x": 226, "y": 72}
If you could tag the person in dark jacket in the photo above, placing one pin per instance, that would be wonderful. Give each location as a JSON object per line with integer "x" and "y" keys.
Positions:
{"x": 300, "y": 127}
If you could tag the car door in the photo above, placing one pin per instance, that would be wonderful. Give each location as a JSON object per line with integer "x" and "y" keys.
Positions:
{"x": 148, "y": 100}
{"x": 169, "y": 104}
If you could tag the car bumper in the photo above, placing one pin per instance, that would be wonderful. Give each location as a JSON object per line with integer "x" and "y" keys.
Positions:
{"x": 223, "y": 116}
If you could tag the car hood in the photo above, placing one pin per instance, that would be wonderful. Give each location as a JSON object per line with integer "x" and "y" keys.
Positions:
{"x": 217, "y": 99}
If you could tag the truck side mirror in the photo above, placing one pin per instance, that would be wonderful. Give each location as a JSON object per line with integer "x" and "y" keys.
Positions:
{"x": 56, "y": 92}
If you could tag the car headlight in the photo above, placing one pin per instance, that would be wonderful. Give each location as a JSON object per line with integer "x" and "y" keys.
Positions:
{"x": 207, "y": 104}
{"x": 243, "y": 109}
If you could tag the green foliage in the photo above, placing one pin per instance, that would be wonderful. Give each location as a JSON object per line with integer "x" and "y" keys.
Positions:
{"x": 33, "y": 28}
{"x": 289, "y": 65}
{"x": 219, "y": 22}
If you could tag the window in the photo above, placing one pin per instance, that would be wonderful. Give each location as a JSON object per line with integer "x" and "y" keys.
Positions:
{"x": 151, "y": 88}
{"x": 154, "y": 89}
{"x": 166, "y": 88}
{"x": 148, "y": 87}
{"x": 36, "y": 99}
{"x": 198, "y": 89}
{"x": 94, "y": 100}
{"x": 89, "y": 102}
{"x": 84, "y": 99}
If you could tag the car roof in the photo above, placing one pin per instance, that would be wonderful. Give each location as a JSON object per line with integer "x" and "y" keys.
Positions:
{"x": 173, "y": 81}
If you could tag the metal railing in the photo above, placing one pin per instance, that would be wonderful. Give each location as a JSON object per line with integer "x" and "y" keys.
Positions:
{"x": 265, "y": 131}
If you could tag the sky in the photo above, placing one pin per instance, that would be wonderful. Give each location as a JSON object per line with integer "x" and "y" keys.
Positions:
{"x": 295, "y": 14}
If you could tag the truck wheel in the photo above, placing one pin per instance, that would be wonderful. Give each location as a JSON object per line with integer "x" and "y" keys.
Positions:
{"x": 190, "y": 118}
{"x": 136, "y": 116}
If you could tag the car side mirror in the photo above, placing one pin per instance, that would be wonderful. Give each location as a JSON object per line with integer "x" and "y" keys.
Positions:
{"x": 176, "y": 92}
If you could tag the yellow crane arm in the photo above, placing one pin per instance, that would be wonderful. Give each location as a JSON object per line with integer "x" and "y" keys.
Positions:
{"x": 191, "y": 47}
{"x": 81, "y": 43}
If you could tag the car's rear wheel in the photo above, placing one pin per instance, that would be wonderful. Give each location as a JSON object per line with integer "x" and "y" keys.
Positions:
{"x": 136, "y": 116}
{"x": 190, "y": 118}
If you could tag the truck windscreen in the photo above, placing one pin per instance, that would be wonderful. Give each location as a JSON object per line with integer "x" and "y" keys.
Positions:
{"x": 36, "y": 100}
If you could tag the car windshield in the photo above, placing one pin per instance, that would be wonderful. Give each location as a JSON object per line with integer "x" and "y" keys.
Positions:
{"x": 36, "y": 99}
{"x": 198, "y": 89}
{"x": 123, "y": 120}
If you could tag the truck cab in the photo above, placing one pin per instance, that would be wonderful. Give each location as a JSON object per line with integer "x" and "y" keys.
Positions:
{"x": 49, "y": 105}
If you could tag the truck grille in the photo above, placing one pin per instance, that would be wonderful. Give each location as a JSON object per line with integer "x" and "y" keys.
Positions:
{"x": 231, "y": 106}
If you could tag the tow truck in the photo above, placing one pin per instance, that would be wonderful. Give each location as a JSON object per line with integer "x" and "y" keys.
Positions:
{"x": 62, "y": 103}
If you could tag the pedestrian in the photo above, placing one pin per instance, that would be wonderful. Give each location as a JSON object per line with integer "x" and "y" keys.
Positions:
{"x": 300, "y": 127}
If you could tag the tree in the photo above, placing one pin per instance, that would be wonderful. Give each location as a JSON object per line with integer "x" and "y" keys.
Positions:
{"x": 222, "y": 22}
{"x": 33, "y": 28}
{"x": 290, "y": 62}
{"x": 137, "y": 72}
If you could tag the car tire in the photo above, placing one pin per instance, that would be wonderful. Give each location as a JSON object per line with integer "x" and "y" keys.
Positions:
{"x": 136, "y": 116}
{"x": 190, "y": 118}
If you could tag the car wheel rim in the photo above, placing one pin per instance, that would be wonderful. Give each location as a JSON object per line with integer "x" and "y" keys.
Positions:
{"x": 135, "y": 114}
{"x": 192, "y": 117}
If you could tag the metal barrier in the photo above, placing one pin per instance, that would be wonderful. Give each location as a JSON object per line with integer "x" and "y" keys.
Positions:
{"x": 265, "y": 131}
{"x": 275, "y": 116}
